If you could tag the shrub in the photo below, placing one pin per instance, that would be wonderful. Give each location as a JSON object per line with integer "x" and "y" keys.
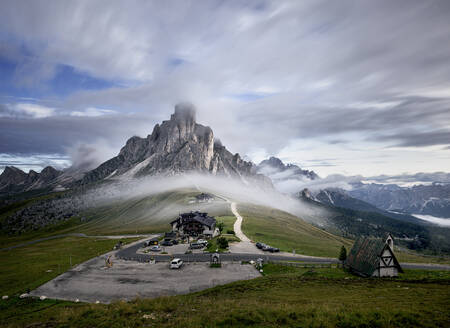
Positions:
{"x": 231, "y": 232}
{"x": 222, "y": 242}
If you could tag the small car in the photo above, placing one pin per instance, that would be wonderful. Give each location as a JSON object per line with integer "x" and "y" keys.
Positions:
{"x": 274, "y": 249}
{"x": 203, "y": 242}
{"x": 266, "y": 248}
{"x": 175, "y": 242}
{"x": 260, "y": 245}
{"x": 196, "y": 246}
{"x": 167, "y": 243}
{"x": 155, "y": 248}
{"x": 176, "y": 264}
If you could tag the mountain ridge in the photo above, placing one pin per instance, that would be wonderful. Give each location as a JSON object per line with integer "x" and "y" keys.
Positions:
{"x": 177, "y": 145}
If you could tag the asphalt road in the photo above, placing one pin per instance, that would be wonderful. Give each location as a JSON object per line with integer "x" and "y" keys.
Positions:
{"x": 130, "y": 254}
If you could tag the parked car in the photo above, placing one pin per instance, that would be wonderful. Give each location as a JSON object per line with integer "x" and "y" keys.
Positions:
{"x": 175, "y": 242}
{"x": 176, "y": 264}
{"x": 266, "y": 248}
{"x": 151, "y": 242}
{"x": 274, "y": 249}
{"x": 202, "y": 241}
{"x": 167, "y": 243}
{"x": 196, "y": 246}
{"x": 260, "y": 245}
{"x": 155, "y": 248}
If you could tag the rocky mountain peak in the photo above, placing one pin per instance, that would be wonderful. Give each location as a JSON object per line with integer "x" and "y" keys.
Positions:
{"x": 176, "y": 145}
{"x": 184, "y": 112}
{"x": 273, "y": 162}
{"x": 15, "y": 180}
{"x": 12, "y": 175}
{"x": 274, "y": 166}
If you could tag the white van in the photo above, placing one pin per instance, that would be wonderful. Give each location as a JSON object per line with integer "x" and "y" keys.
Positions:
{"x": 176, "y": 264}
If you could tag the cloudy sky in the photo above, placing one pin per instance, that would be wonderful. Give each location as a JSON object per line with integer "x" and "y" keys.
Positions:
{"x": 349, "y": 87}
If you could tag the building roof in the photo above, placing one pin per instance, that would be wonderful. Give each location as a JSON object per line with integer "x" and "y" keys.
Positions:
{"x": 202, "y": 218}
{"x": 364, "y": 257}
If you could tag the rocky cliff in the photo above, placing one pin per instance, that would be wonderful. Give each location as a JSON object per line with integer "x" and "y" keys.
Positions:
{"x": 175, "y": 146}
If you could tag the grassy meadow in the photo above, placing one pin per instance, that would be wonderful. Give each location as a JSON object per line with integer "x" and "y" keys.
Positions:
{"x": 287, "y": 232}
{"x": 284, "y": 297}
{"x": 30, "y": 266}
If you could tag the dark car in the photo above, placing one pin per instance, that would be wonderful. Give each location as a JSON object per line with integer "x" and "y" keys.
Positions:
{"x": 274, "y": 250}
{"x": 259, "y": 245}
{"x": 167, "y": 243}
{"x": 197, "y": 245}
{"x": 266, "y": 248}
{"x": 175, "y": 242}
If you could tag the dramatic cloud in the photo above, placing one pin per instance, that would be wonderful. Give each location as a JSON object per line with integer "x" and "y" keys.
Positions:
{"x": 364, "y": 80}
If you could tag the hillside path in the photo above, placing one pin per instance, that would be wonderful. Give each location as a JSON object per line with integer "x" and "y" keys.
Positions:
{"x": 245, "y": 245}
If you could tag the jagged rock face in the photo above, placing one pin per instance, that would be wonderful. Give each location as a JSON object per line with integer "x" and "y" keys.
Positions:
{"x": 12, "y": 176}
{"x": 15, "y": 180}
{"x": 177, "y": 145}
{"x": 277, "y": 170}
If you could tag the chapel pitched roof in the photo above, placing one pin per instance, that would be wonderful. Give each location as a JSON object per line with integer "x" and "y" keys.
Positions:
{"x": 364, "y": 257}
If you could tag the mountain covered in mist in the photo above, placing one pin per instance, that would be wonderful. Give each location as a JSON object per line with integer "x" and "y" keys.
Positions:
{"x": 389, "y": 199}
{"x": 175, "y": 146}
{"x": 431, "y": 199}
{"x": 278, "y": 171}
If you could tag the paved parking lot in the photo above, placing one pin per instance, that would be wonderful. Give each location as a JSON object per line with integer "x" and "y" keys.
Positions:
{"x": 126, "y": 280}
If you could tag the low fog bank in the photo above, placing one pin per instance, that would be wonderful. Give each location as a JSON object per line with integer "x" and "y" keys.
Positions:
{"x": 295, "y": 185}
{"x": 229, "y": 189}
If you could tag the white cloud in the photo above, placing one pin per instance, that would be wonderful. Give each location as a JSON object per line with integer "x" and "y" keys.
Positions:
{"x": 329, "y": 74}
{"x": 33, "y": 110}
{"x": 93, "y": 112}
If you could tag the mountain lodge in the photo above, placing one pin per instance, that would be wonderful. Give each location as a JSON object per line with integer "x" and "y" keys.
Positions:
{"x": 195, "y": 224}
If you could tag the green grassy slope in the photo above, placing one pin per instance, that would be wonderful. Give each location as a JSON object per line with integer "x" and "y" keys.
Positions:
{"x": 147, "y": 214}
{"x": 287, "y": 232}
{"x": 294, "y": 298}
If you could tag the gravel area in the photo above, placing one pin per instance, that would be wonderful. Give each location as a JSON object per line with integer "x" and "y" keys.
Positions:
{"x": 127, "y": 280}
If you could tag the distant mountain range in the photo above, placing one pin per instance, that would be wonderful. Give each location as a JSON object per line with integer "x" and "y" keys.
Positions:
{"x": 13, "y": 180}
{"x": 431, "y": 199}
{"x": 178, "y": 145}
{"x": 181, "y": 145}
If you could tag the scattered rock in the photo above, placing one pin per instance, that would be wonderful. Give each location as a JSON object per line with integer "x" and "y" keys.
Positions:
{"x": 149, "y": 316}
{"x": 5, "y": 297}
{"x": 43, "y": 297}
{"x": 24, "y": 295}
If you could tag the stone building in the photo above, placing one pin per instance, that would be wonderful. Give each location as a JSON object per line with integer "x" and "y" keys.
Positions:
{"x": 195, "y": 224}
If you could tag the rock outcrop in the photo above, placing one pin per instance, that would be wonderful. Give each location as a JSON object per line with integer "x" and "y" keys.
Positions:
{"x": 175, "y": 146}
{"x": 277, "y": 170}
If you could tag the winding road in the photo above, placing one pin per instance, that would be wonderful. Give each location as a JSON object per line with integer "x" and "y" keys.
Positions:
{"x": 244, "y": 250}
{"x": 245, "y": 245}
